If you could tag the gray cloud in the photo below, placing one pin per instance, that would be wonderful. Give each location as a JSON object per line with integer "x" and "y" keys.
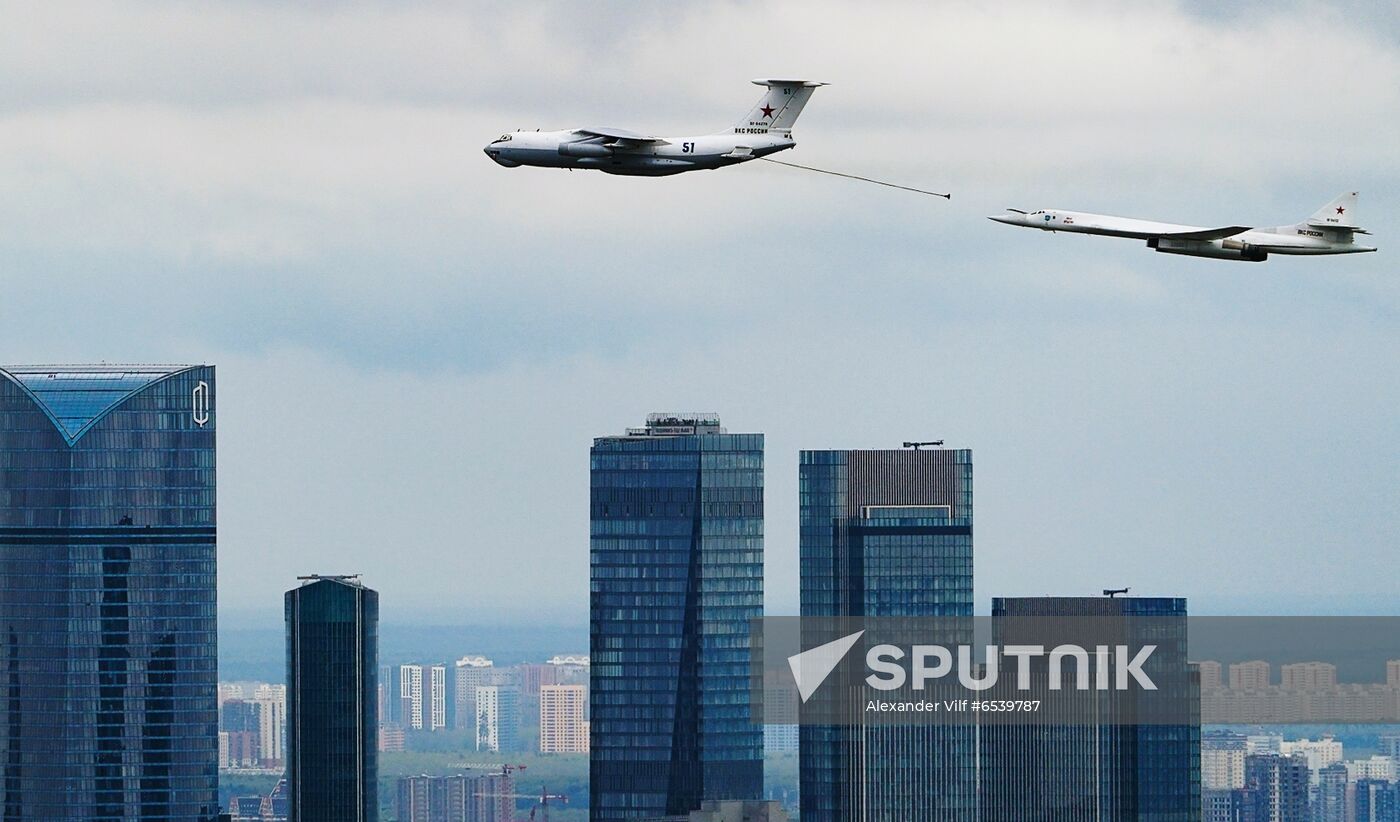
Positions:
{"x": 416, "y": 345}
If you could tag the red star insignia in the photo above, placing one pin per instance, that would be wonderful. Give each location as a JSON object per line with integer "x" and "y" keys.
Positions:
{"x": 1341, "y": 210}
{"x": 767, "y": 111}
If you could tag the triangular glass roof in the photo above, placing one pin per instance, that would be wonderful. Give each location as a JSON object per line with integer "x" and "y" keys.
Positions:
{"x": 75, "y": 397}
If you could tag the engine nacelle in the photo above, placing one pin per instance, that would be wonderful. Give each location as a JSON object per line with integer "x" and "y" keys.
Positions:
{"x": 1226, "y": 249}
{"x": 585, "y": 148}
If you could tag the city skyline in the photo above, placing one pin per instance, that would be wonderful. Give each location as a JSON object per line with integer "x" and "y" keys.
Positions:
{"x": 320, "y": 223}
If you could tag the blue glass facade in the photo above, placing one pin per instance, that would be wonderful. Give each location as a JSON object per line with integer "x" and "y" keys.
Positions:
{"x": 887, "y": 534}
{"x": 108, "y": 649}
{"x": 677, "y": 574}
{"x": 1096, "y": 765}
{"x": 332, "y": 706}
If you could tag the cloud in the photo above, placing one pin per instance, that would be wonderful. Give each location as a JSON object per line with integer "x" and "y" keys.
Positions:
{"x": 416, "y": 346}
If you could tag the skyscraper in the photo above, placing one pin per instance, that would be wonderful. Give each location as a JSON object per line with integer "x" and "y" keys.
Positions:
{"x": 107, "y": 592}
{"x": 677, "y": 573}
{"x": 1095, "y": 760}
{"x": 332, "y": 648}
{"x": 887, "y": 534}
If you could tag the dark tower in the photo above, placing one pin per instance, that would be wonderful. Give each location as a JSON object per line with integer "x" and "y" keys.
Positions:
{"x": 332, "y": 725}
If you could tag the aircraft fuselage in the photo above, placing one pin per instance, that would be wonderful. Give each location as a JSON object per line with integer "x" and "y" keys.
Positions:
{"x": 672, "y": 155}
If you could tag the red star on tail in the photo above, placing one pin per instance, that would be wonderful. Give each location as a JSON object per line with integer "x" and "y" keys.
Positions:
{"x": 767, "y": 111}
{"x": 1341, "y": 210}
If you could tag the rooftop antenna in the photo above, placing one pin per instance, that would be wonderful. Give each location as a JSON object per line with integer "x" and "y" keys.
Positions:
{"x": 917, "y": 445}
{"x": 1113, "y": 592}
{"x": 337, "y": 577}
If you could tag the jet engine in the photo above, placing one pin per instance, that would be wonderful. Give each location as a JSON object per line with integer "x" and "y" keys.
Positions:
{"x": 585, "y": 148}
{"x": 1226, "y": 249}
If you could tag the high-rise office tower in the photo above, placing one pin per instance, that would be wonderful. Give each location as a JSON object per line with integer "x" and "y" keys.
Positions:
{"x": 887, "y": 534}
{"x": 108, "y": 680}
{"x": 332, "y": 647}
{"x": 563, "y": 728}
{"x": 1091, "y": 754}
{"x": 676, "y": 559}
{"x": 497, "y": 718}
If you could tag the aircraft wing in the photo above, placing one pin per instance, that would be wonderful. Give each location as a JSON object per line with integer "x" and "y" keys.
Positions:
{"x": 1205, "y": 233}
{"x": 622, "y": 136}
{"x": 1146, "y": 229}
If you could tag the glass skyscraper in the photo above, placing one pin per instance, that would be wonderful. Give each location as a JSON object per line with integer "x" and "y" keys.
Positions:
{"x": 887, "y": 534}
{"x": 677, "y": 574}
{"x": 108, "y": 641}
{"x": 332, "y": 710}
{"x": 1090, "y": 760}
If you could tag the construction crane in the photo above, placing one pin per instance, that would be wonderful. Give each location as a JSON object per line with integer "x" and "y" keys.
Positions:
{"x": 542, "y": 801}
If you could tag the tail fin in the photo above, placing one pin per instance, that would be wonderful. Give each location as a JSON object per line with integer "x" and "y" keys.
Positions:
{"x": 778, "y": 109}
{"x": 1340, "y": 213}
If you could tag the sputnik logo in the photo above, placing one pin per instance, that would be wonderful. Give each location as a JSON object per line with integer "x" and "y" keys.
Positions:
{"x": 811, "y": 667}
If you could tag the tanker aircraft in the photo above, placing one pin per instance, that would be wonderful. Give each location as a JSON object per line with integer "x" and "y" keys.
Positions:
{"x": 766, "y": 130}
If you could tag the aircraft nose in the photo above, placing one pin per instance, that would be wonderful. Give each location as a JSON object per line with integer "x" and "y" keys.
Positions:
{"x": 1009, "y": 219}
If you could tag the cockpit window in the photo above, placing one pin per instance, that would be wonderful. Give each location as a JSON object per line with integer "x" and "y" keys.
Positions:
{"x": 504, "y": 138}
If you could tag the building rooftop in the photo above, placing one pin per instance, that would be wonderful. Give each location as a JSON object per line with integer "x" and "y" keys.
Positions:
{"x": 679, "y": 424}
{"x": 77, "y": 396}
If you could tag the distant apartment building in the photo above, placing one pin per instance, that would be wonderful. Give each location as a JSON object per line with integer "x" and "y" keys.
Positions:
{"x": 1331, "y": 795}
{"x": 1211, "y": 674}
{"x": 470, "y": 673}
{"x": 1392, "y": 673}
{"x": 1376, "y": 800}
{"x": 563, "y": 722}
{"x": 1384, "y": 768}
{"x": 456, "y": 798}
{"x": 1318, "y": 754}
{"x": 1280, "y": 787}
{"x": 497, "y": 718}
{"x": 392, "y": 738}
{"x": 1232, "y": 805}
{"x": 1222, "y": 760}
{"x": 275, "y": 807}
{"x": 271, "y": 702}
{"x": 1309, "y": 676}
{"x": 240, "y": 734}
{"x": 437, "y": 798}
{"x": 1249, "y": 676}
{"x": 561, "y": 669}
{"x": 1263, "y": 743}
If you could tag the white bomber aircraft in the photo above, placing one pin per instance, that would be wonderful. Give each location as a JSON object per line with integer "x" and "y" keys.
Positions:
{"x": 767, "y": 129}
{"x": 1329, "y": 231}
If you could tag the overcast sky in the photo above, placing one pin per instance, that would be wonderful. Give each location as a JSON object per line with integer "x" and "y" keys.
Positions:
{"x": 415, "y": 346}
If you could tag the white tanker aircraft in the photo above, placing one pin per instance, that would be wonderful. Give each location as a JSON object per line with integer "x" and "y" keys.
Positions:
{"x": 766, "y": 130}
{"x": 1331, "y": 230}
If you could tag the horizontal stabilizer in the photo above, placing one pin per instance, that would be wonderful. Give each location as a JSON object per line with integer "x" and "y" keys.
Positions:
{"x": 1207, "y": 233}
